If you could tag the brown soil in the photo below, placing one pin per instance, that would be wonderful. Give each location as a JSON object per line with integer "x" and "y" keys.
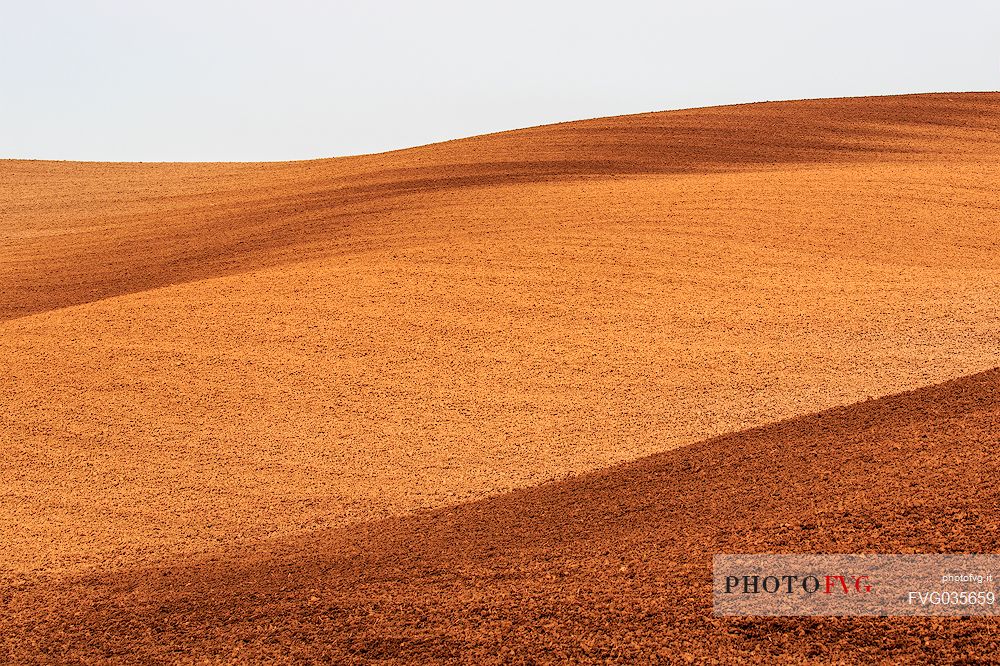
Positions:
{"x": 609, "y": 566}
{"x": 199, "y": 359}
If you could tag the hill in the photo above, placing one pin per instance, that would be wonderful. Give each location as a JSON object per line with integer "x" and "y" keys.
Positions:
{"x": 201, "y": 358}
{"x": 612, "y": 566}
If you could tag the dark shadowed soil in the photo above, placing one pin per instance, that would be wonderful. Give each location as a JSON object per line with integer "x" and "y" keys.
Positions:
{"x": 611, "y": 566}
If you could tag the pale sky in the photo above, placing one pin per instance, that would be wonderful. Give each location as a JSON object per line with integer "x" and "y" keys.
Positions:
{"x": 294, "y": 79}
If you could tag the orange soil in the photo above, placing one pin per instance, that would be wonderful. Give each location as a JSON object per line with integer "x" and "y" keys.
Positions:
{"x": 196, "y": 357}
{"x": 611, "y": 566}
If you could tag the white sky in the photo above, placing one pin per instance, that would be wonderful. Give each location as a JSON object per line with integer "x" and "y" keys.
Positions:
{"x": 292, "y": 79}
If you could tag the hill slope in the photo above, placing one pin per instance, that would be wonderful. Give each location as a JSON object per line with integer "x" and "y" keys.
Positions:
{"x": 78, "y": 232}
{"x": 195, "y": 356}
{"x": 611, "y": 566}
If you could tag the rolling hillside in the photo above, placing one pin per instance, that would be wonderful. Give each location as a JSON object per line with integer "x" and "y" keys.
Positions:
{"x": 205, "y": 361}
{"x": 611, "y": 566}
